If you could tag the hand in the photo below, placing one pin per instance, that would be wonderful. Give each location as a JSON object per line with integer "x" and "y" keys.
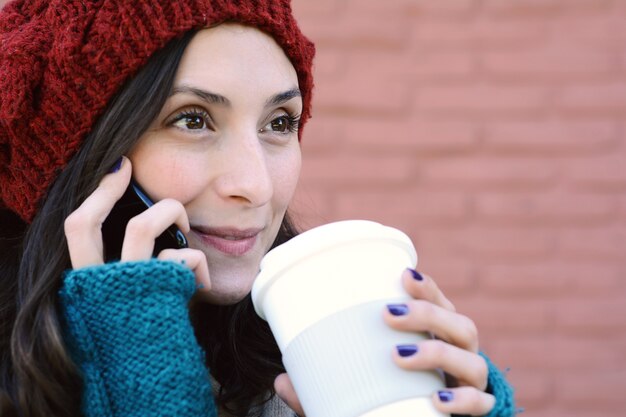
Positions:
{"x": 454, "y": 349}
{"x": 84, "y": 235}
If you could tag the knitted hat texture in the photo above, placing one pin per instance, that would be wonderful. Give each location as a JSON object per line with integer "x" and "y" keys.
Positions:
{"x": 61, "y": 61}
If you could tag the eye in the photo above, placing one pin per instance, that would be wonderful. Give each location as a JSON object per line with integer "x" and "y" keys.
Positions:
{"x": 193, "y": 119}
{"x": 283, "y": 124}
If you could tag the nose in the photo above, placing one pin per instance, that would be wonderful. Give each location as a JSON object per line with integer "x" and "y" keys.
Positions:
{"x": 244, "y": 175}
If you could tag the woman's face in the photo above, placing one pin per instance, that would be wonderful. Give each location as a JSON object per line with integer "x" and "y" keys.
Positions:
{"x": 226, "y": 146}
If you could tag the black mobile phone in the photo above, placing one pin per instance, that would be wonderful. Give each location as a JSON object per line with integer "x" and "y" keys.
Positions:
{"x": 134, "y": 201}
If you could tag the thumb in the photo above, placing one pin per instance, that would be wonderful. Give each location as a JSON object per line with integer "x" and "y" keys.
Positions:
{"x": 284, "y": 389}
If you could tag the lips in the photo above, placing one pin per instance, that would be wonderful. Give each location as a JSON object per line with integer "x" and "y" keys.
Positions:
{"x": 230, "y": 241}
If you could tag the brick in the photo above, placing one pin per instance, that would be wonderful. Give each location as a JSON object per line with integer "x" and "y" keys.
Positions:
{"x": 436, "y": 65}
{"x": 416, "y": 64}
{"x": 622, "y": 215}
{"x": 482, "y": 244}
{"x": 482, "y": 98}
{"x": 608, "y": 411}
{"x": 546, "y": 209}
{"x": 544, "y": 8}
{"x": 359, "y": 95}
{"x": 427, "y": 8}
{"x": 603, "y": 31}
{"x": 453, "y": 276}
{"x": 331, "y": 170}
{"x": 347, "y": 30}
{"x": 509, "y": 242}
{"x": 598, "y": 97}
{"x": 554, "y": 409}
{"x": 597, "y": 173}
{"x": 419, "y": 208}
{"x": 305, "y": 10}
{"x": 430, "y": 8}
{"x": 532, "y": 389}
{"x": 601, "y": 391}
{"x": 556, "y": 278}
{"x": 480, "y": 32}
{"x": 522, "y": 280}
{"x": 594, "y": 244}
{"x": 525, "y": 354}
{"x": 488, "y": 173}
{"x": 605, "y": 353}
{"x": 549, "y": 353}
{"x": 322, "y": 137}
{"x": 582, "y": 316}
{"x": 503, "y": 317}
{"x": 554, "y": 62}
{"x": 551, "y": 137}
{"x": 329, "y": 64}
{"x": 412, "y": 135}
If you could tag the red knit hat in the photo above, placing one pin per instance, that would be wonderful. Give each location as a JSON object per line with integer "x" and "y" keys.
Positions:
{"x": 61, "y": 61}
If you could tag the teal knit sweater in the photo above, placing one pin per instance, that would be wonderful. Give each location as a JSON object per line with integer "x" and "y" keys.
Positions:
{"x": 127, "y": 326}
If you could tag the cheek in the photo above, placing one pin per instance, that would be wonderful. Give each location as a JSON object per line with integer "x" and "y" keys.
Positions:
{"x": 166, "y": 175}
{"x": 286, "y": 177}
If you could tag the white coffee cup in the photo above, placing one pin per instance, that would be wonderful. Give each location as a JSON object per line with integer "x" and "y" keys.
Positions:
{"x": 323, "y": 294}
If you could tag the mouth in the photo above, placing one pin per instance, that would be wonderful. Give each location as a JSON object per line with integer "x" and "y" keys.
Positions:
{"x": 230, "y": 241}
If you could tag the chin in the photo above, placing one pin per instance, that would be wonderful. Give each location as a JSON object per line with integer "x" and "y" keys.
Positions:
{"x": 220, "y": 298}
{"x": 225, "y": 292}
{"x": 229, "y": 284}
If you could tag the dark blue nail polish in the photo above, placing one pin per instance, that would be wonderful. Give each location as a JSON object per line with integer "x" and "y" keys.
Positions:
{"x": 398, "y": 309}
{"x": 416, "y": 275}
{"x": 406, "y": 350}
{"x": 116, "y": 167}
{"x": 445, "y": 396}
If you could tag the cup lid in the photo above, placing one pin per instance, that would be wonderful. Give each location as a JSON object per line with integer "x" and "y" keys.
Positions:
{"x": 319, "y": 239}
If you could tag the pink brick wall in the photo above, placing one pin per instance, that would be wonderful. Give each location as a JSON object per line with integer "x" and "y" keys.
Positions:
{"x": 493, "y": 133}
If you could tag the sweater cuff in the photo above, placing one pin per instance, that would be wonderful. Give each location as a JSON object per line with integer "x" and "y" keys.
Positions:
{"x": 127, "y": 326}
{"x": 498, "y": 386}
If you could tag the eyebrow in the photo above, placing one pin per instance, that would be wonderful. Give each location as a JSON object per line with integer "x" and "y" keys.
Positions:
{"x": 203, "y": 94}
{"x": 281, "y": 98}
{"x": 213, "y": 98}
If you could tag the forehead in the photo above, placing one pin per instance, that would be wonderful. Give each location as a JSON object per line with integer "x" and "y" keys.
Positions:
{"x": 232, "y": 57}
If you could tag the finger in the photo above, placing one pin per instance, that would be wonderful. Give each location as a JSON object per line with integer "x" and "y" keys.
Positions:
{"x": 284, "y": 389}
{"x": 194, "y": 260}
{"x": 464, "y": 400}
{"x": 423, "y": 316}
{"x": 467, "y": 367}
{"x": 83, "y": 226}
{"x": 422, "y": 287}
{"x": 144, "y": 228}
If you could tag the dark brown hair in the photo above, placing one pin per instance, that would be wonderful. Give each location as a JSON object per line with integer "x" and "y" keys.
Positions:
{"x": 37, "y": 375}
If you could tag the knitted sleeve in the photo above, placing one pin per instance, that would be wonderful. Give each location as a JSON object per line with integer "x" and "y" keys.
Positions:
{"x": 500, "y": 388}
{"x": 128, "y": 328}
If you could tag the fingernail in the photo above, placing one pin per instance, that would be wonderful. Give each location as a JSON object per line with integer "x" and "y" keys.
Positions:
{"x": 398, "y": 309}
{"x": 416, "y": 275}
{"x": 406, "y": 350}
{"x": 200, "y": 286}
{"x": 116, "y": 167}
{"x": 445, "y": 396}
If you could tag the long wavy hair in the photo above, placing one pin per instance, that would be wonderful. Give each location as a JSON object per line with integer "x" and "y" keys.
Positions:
{"x": 37, "y": 374}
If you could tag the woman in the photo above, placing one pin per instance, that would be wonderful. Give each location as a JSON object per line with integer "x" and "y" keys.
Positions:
{"x": 203, "y": 104}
